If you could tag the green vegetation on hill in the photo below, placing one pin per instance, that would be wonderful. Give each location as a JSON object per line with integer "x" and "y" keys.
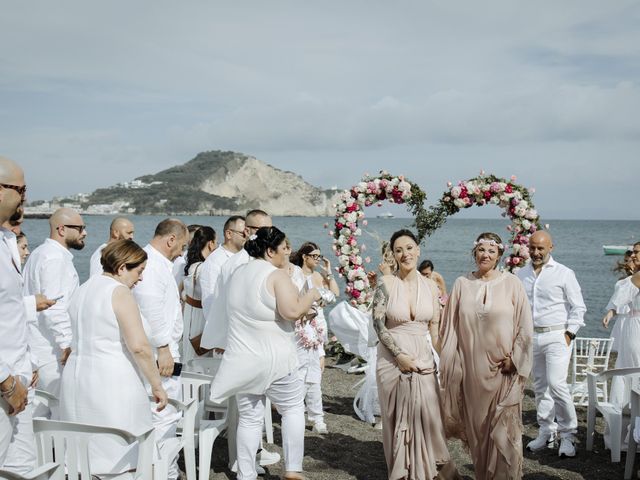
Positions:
{"x": 194, "y": 171}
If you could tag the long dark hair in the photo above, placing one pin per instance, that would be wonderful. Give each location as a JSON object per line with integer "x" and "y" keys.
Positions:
{"x": 201, "y": 237}
{"x": 297, "y": 257}
{"x": 265, "y": 238}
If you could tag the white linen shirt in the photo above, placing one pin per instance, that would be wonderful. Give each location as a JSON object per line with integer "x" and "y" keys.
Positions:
{"x": 14, "y": 349}
{"x": 178, "y": 268}
{"x": 208, "y": 277}
{"x": 159, "y": 301}
{"x": 50, "y": 271}
{"x": 554, "y": 295}
{"x": 95, "y": 267}
{"x": 216, "y": 327}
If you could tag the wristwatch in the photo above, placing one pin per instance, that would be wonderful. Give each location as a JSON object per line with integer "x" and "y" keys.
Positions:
{"x": 571, "y": 335}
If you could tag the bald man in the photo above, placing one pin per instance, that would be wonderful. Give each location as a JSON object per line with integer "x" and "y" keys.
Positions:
{"x": 121, "y": 229}
{"x": 558, "y": 313}
{"x": 17, "y": 444}
{"x": 50, "y": 271}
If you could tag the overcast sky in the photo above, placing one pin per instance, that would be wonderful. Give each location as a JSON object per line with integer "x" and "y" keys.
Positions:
{"x": 93, "y": 93}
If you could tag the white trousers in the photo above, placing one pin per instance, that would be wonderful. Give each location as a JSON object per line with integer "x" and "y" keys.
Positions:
{"x": 165, "y": 422}
{"x": 313, "y": 401}
{"x": 17, "y": 442}
{"x": 551, "y": 357}
{"x": 287, "y": 395}
{"x": 49, "y": 376}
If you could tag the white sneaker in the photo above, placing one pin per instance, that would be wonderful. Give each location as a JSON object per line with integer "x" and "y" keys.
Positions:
{"x": 266, "y": 457}
{"x": 320, "y": 427}
{"x": 567, "y": 448}
{"x": 543, "y": 440}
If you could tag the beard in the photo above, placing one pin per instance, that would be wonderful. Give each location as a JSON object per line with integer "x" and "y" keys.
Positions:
{"x": 76, "y": 243}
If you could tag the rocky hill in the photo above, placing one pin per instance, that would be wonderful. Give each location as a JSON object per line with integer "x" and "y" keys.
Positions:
{"x": 220, "y": 183}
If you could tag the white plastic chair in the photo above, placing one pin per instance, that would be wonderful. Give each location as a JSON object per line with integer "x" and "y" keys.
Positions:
{"x": 612, "y": 414}
{"x": 589, "y": 355}
{"x": 45, "y": 472}
{"x": 633, "y": 446}
{"x": 45, "y": 398}
{"x": 209, "y": 366}
{"x": 68, "y": 444}
{"x": 195, "y": 388}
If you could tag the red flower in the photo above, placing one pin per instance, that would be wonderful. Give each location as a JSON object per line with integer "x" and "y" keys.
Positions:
{"x": 355, "y": 293}
{"x": 339, "y": 226}
{"x": 464, "y": 193}
{"x": 352, "y": 208}
{"x": 487, "y": 195}
{"x": 508, "y": 188}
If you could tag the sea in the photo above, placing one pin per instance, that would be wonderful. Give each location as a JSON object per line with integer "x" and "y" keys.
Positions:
{"x": 577, "y": 244}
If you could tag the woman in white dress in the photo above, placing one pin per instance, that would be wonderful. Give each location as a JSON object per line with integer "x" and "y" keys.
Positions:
{"x": 311, "y": 331}
{"x": 625, "y": 300}
{"x": 260, "y": 360}
{"x": 201, "y": 246}
{"x": 102, "y": 382}
{"x": 625, "y": 267}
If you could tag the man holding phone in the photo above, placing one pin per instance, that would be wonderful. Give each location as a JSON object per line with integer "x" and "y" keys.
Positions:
{"x": 50, "y": 271}
{"x": 159, "y": 301}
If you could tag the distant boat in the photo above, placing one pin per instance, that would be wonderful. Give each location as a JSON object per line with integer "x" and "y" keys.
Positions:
{"x": 616, "y": 249}
{"x": 385, "y": 215}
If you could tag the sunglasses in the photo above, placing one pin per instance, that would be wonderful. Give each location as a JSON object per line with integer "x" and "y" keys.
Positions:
{"x": 242, "y": 234}
{"x": 21, "y": 190}
{"x": 315, "y": 256}
{"x": 78, "y": 228}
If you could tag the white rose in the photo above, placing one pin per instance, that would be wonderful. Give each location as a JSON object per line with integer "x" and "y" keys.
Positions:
{"x": 358, "y": 232}
{"x": 455, "y": 192}
{"x": 526, "y": 224}
{"x": 358, "y": 285}
{"x": 362, "y": 186}
{"x": 458, "y": 202}
{"x": 495, "y": 200}
{"x": 531, "y": 214}
{"x": 358, "y": 260}
{"x": 346, "y": 249}
{"x": 344, "y": 260}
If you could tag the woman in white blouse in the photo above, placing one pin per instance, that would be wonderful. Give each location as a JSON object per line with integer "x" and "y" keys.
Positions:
{"x": 260, "y": 360}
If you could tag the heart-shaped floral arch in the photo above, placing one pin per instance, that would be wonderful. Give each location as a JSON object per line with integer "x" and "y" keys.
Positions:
{"x": 514, "y": 199}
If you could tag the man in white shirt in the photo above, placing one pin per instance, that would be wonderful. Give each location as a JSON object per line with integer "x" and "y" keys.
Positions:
{"x": 216, "y": 327}
{"x": 558, "y": 313}
{"x": 159, "y": 302}
{"x": 17, "y": 444}
{"x": 121, "y": 229}
{"x": 234, "y": 238}
{"x": 50, "y": 271}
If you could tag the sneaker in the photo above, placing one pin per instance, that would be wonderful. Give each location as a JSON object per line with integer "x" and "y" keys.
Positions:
{"x": 266, "y": 457}
{"x": 544, "y": 440}
{"x": 320, "y": 427}
{"x": 567, "y": 448}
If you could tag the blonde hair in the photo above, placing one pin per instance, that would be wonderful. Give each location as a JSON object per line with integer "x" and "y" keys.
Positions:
{"x": 122, "y": 252}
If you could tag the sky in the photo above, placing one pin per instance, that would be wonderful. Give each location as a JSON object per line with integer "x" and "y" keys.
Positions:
{"x": 95, "y": 93}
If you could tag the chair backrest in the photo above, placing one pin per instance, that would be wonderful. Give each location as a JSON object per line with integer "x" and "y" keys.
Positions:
{"x": 45, "y": 472}
{"x": 68, "y": 444}
{"x": 593, "y": 378}
{"x": 45, "y": 398}
{"x": 206, "y": 365}
{"x": 590, "y": 355}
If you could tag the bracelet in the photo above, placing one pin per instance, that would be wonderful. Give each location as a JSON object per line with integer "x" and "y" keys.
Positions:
{"x": 11, "y": 390}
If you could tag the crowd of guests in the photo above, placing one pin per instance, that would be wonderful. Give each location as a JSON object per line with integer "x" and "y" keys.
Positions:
{"x": 449, "y": 364}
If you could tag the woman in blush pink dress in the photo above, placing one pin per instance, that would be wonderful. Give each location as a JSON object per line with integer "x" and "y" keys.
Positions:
{"x": 405, "y": 315}
{"x": 485, "y": 360}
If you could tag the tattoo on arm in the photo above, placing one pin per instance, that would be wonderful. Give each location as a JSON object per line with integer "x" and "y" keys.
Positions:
{"x": 379, "y": 313}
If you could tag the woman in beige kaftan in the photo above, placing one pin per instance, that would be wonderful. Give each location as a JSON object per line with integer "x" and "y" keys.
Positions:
{"x": 485, "y": 361}
{"x": 405, "y": 308}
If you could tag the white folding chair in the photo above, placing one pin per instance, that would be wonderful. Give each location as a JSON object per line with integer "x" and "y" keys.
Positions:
{"x": 612, "y": 414}
{"x": 633, "y": 446}
{"x": 45, "y": 472}
{"x": 195, "y": 388}
{"x": 589, "y": 355}
{"x": 68, "y": 444}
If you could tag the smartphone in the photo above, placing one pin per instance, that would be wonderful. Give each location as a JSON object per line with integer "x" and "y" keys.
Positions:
{"x": 177, "y": 369}
{"x": 57, "y": 298}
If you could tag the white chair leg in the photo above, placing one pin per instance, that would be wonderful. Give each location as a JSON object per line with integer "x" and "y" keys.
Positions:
{"x": 615, "y": 429}
{"x": 209, "y": 431}
{"x": 591, "y": 425}
{"x": 631, "y": 453}
{"x": 268, "y": 423}
{"x": 190, "y": 461}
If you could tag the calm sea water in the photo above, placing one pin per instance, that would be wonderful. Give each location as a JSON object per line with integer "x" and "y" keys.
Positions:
{"x": 578, "y": 244}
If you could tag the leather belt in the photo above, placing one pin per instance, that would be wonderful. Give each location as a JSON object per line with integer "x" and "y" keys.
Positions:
{"x": 192, "y": 301}
{"x": 553, "y": 328}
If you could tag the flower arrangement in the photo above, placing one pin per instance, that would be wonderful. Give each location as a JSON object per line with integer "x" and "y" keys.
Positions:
{"x": 349, "y": 212}
{"x": 306, "y": 341}
{"x": 482, "y": 190}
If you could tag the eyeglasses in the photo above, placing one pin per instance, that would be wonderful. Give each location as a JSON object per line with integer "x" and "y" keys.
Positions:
{"x": 21, "y": 190}
{"x": 79, "y": 228}
{"x": 242, "y": 234}
{"x": 315, "y": 256}
{"x": 252, "y": 227}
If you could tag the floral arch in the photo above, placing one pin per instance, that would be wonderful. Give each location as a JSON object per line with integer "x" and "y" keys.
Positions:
{"x": 514, "y": 199}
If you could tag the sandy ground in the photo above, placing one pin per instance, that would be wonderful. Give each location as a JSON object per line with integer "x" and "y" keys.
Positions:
{"x": 353, "y": 449}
